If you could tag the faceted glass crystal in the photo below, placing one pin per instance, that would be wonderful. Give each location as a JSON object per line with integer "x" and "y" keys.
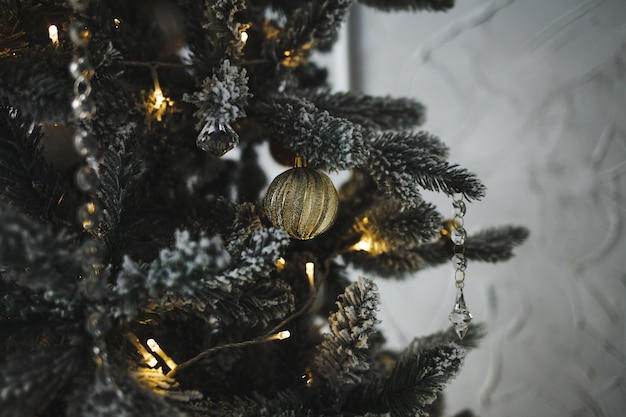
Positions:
{"x": 460, "y": 316}
{"x": 217, "y": 138}
{"x": 459, "y": 235}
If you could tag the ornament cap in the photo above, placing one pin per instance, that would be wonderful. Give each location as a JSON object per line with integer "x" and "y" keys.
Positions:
{"x": 299, "y": 162}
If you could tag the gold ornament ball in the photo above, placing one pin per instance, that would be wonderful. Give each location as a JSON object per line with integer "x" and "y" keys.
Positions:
{"x": 302, "y": 201}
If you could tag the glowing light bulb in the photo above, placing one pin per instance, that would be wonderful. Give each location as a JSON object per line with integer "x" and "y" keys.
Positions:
{"x": 154, "y": 347}
{"x": 53, "y": 34}
{"x": 158, "y": 98}
{"x": 310, "y": 273}
{"x": 285, "y": 334}
{"x": 151, "y": 361}
{"x": 117, "y": 22}
{"x": 365, "y": 244}
{"x": 282, "y": 335}
{"x": 280, "y": 263}
{"x": 244, "y": 37}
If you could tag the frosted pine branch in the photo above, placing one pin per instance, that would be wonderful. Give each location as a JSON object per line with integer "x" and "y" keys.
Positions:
{"x": 28, "y": 181}
{"x": 118, "y": 171}
{"x": 381, "y": 113}
{"x": 172, "y": 279}
{"x": 342, "y": 358}
{"x": 401, "y": 164}
{"x": 222, "y": 98}
{"x": 326, "y": 141}
{"x": 29, "y": 380}
{"x": 417, "y": 379}
{"x": 395, "y": 227}
{"x": 50, "y": 265}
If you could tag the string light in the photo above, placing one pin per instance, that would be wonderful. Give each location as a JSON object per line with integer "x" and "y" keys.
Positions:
{"x": 368, "y": 243}
{"x": 308, "y": 376}
{"x": 280, "y": 263}
{"x": 282, "y": 335}
{"x": 154, "y": 347}
{"x": 117, "y": 23}
{"x": 157, "y": 102}
{"x": 53, "y": 34}
{"x": 365, "y": 244}
{"x": 151, "y": 361}
{"x": 310, "y": 273}
{"x": 243, "y": 36}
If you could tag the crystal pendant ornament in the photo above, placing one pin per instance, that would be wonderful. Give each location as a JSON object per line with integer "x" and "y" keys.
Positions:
{"x": 217, "y": 138}
{"x": 460, "y": 316}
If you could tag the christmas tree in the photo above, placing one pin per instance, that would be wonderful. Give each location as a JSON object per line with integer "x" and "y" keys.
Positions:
{"x": 143, "y": 274}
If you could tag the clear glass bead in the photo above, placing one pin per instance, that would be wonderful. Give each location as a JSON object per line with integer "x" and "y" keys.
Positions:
{"x": 81, "y": 67}
{"x": 95, "y": 282}
{"x": 459, "y": 261}
{"x": 459, "y": 236}
{"x": 87, "y": 179}
{"x": 89, "y": 216}
{"x": 84, "y": 108}
{"x": 85, "y": 143}
{"x": 79, "y": 33}
{"x": 93, "y": 251}
{"x": 97, "y": 324}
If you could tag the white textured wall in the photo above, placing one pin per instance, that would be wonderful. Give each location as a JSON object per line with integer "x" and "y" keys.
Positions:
{"x": 530, "y": 95}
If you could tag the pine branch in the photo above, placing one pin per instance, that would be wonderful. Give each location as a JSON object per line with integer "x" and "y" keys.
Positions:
{"x": 495, "y": 244}
{"x": 398, "y": 264}
{"x": 314, "y": 23}
{"x": 474, "y": 334}
{"x": 490, "y": 245}
{"x": 28, "y": 181}
{"x": 284, "y": 404}
{"x": 172, "y": 279}
{"x": 38, "y": 83}
{"x": 118, "y": 172}
{"x": 412, "y": 5}
{"x": 52, "y": 266}
{"x": 401, "y": 163}
{"x": 392, "y": 227}
{"x": 221, "y": 101}
{"x": 342, "y": 359}
{"x": 414, "y": 383}
{"x": 380, "y": 113}
{"x": 259, "y": 254}
{"x": 326, "y": 141}
{"x": 30, "y": 380}
{"x": 123, "y": 397}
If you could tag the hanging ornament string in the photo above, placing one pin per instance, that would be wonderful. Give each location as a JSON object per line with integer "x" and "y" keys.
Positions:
{"x": 85, "y": 142}
{"x": 460, "y": 316}
{"x": 87, "y": 181}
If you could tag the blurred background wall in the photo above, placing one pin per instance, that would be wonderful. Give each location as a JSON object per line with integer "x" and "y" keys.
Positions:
{"x": 531, "y": 96}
